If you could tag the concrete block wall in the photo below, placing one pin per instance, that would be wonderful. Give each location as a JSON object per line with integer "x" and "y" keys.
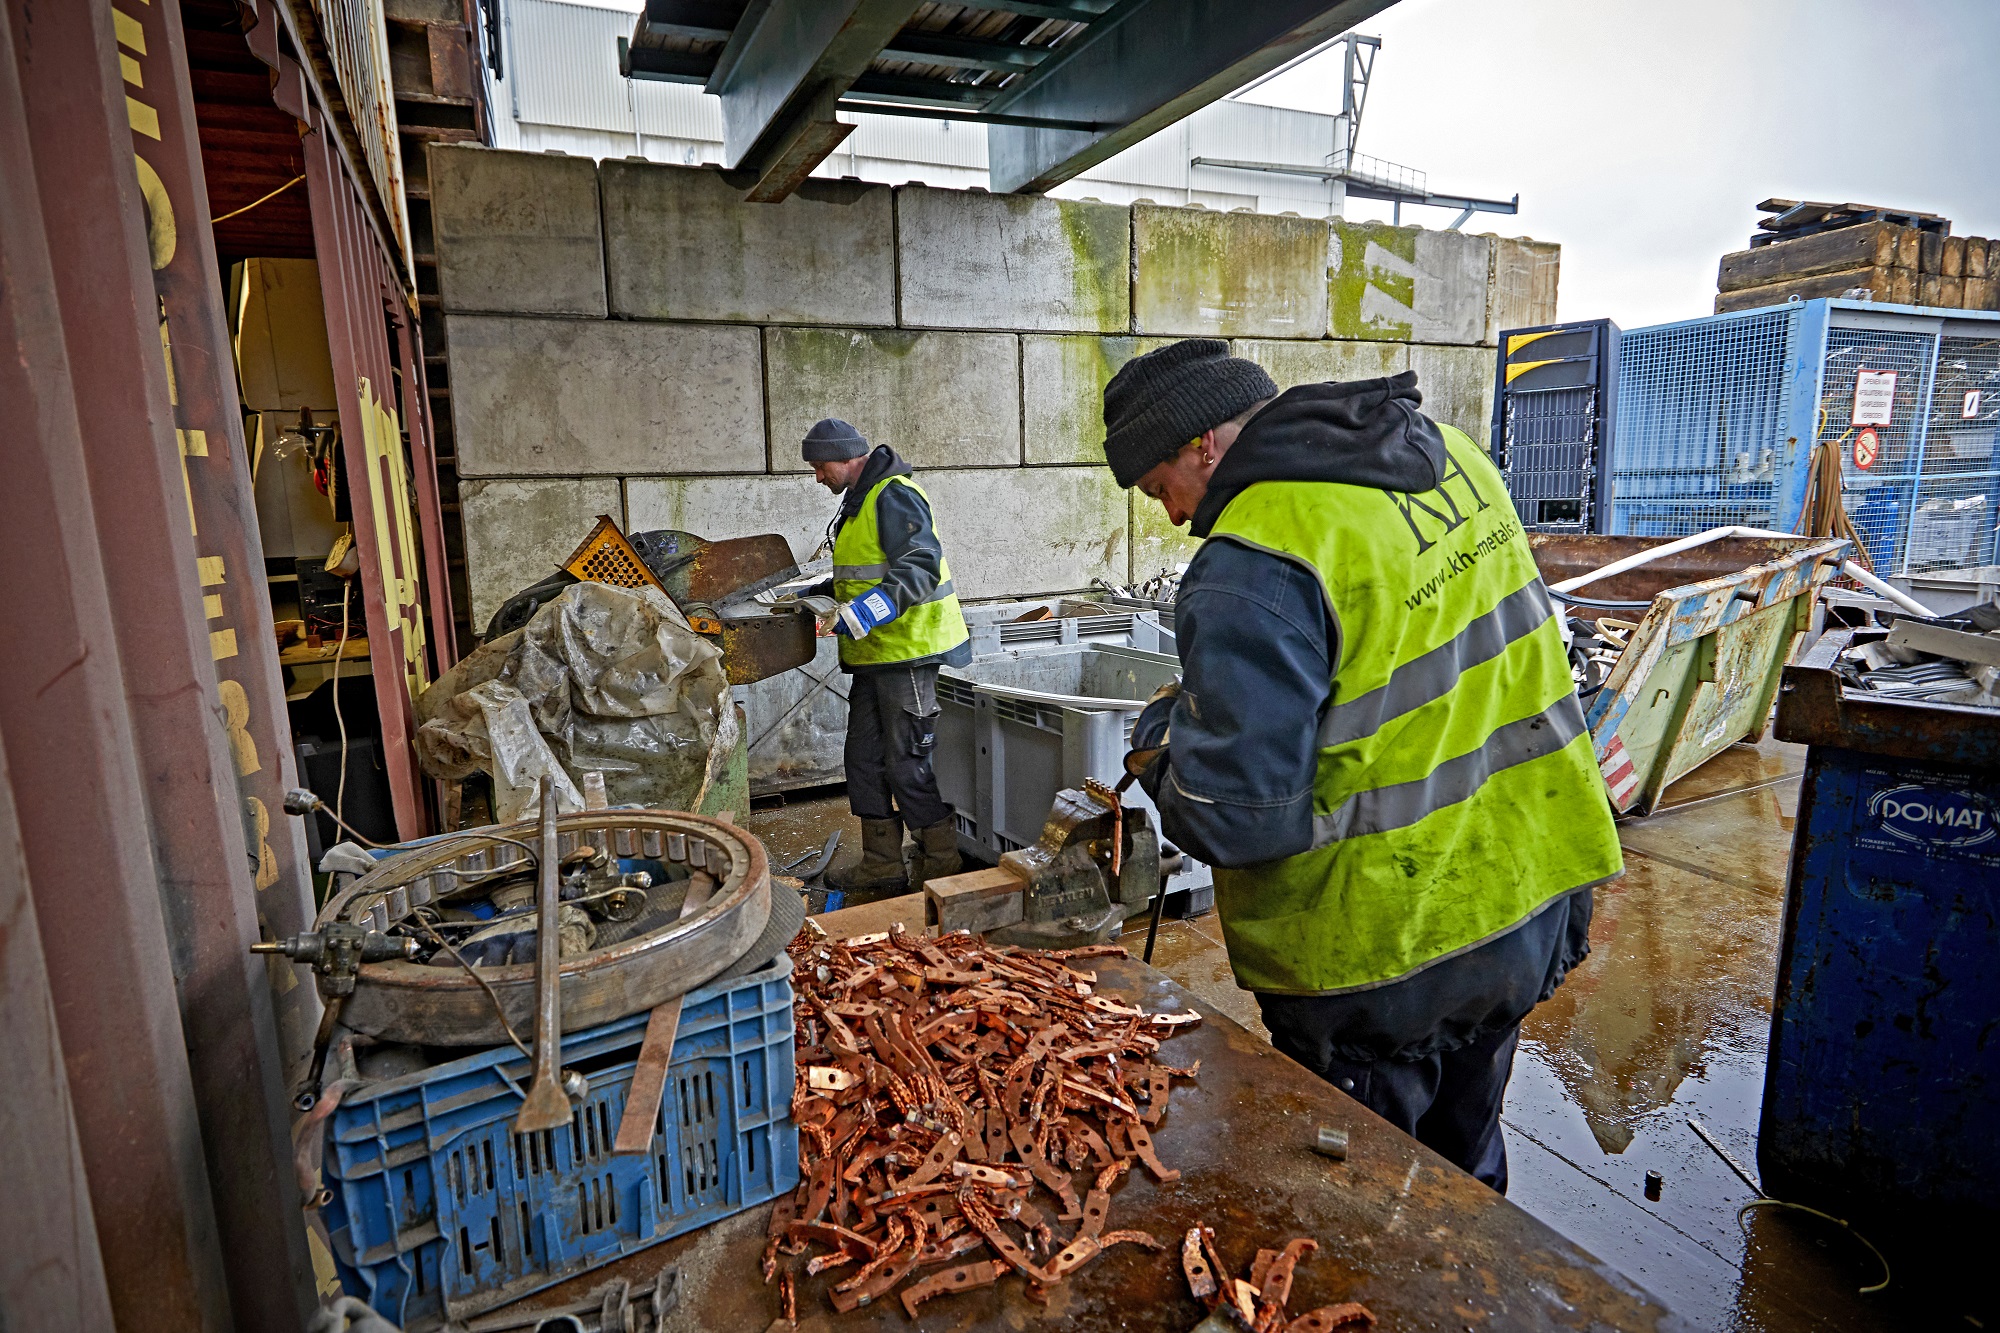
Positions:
{"x": 632, "y": 338}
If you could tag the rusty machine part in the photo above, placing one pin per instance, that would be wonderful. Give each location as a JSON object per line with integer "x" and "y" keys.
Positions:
{"x": 1256, "y": 1304}
{"x": 336, "y": 954}
{"x": 637, "y": 964}
{"x": 712, "y": 582}
{"x": 940, "y": 1082}
{"x": 1095, "y": 864}
{"x": 716, "y": 589}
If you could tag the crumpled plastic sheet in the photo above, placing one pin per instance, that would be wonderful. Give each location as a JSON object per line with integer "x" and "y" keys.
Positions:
{"x": 602, "y": 679}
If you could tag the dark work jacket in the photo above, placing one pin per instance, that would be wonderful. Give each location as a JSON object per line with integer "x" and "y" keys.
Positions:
{"x": 1258, "y": 650}
{"x": 910, "y": 547}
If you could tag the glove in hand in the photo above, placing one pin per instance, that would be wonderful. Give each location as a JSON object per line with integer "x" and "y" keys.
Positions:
{"x": 865, "y": 614}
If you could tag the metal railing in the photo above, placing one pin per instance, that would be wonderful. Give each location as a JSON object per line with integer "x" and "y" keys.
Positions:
{"x": 1375, "y": 171}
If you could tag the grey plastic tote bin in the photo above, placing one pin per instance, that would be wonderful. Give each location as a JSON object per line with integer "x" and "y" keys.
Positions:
{"x": 1018, "y": 726}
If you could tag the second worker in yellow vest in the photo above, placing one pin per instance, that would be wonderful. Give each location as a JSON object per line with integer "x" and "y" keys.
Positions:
{"x": 1376, "y": 740}
{"x": 898, "y": 623}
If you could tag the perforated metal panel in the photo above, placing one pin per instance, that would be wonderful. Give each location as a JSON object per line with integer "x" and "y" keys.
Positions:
{"x": 1704, "y": 422}
{"x": 606, "y": 557}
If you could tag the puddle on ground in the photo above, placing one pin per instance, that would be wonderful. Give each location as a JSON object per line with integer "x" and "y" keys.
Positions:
{"x": 1667, "y": 1021}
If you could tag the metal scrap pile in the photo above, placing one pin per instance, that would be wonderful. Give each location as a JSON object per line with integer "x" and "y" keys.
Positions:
{"x": 1258, "y": 1302}
{"x": 939, "y": 1081}
{"x": 1952, "y": 660}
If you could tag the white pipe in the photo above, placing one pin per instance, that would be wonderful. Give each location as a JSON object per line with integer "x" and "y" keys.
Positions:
{"x": 1894, "y": 594}
{"x": 1674, "y": 547}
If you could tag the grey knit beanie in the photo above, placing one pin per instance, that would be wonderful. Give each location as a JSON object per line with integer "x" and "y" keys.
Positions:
{"x": 832, "y": 441}
{"x": 1158, "y": 402}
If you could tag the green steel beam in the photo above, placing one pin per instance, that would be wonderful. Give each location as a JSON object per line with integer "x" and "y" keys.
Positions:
{"x": 1144, "y": 66}
{"x": 782, "y": 72}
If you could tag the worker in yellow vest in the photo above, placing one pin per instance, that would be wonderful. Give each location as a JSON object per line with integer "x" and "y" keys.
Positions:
{"x": 898, "y": 623}
{"x": 1376, "y": 739}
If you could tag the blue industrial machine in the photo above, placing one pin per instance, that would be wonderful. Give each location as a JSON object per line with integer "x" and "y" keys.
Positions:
{"x": 1882, "y": 1094}
{"x": 1717, "y": 419}
{"x": 1554, "y": 391}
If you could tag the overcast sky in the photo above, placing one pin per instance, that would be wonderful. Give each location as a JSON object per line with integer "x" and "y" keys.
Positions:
{"x": 1641, "y": 135}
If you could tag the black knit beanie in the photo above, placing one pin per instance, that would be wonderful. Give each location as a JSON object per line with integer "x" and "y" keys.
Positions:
{"x": 832, "y": 441}
{"x": 1158, "y": 402}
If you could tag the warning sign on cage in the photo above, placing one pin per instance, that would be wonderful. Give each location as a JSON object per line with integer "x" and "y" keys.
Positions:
{"x": 1867, "y": 448}
{"x": 1968, "y": 408}
{"x": 1874, "y": 397}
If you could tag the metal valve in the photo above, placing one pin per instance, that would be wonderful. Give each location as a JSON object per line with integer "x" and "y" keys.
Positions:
{"x": 337, "y": 951}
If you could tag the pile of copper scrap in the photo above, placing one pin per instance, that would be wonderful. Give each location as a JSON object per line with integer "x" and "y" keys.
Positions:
{"x": 940, "y": 1081}
{"x": 1257, "y": 1303}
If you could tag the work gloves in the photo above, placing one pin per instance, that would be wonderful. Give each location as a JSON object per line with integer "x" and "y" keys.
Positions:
{"x": 1150, "y": 734}
{"x": 865, "y": 614}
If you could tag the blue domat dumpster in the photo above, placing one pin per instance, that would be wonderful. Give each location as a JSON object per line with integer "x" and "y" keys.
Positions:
{"x": 1882, "y": 1093}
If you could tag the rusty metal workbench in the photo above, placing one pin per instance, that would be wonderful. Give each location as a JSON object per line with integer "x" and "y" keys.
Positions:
{"x": 1424, "y": 1245}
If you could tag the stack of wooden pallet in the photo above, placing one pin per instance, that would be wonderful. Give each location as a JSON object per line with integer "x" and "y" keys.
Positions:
{"x": 1811, "y": 250}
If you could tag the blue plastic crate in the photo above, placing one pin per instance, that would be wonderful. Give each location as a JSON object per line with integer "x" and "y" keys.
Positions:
{"x": 440, "y": 1210}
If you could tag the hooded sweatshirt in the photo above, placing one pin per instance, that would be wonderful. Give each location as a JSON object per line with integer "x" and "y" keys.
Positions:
{"x": 1258, "y": 649}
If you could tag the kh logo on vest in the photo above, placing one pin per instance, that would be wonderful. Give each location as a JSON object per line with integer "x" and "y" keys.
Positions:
{"x": 1440, "y": 522}
{"x": 1932, "y": 818}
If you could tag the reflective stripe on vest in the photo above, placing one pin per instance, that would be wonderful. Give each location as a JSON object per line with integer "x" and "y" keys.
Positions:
{"x": 935, "y": 625}
{"x": 1456, "y": 792}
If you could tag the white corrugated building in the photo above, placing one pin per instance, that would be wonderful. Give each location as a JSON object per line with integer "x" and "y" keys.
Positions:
{"x": 562, "y": 91}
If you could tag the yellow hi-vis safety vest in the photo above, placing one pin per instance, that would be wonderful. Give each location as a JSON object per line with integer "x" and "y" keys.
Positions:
{"x": 933, "y": 626}
{"x": 1457, "y": 792}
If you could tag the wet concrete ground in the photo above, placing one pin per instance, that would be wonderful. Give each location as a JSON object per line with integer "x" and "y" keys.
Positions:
{"x": 1668, "y": 1019}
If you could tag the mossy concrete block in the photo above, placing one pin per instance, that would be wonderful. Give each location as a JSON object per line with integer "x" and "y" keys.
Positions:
{"x": 1295, "y": 363}
{"x": 566, "y": 397}
{"x": 1156, "y": 544}
{"x": 1062, "y": 393}
{"x": 681, "y": 243}
{"x": 516, "y": 233}
{"x": 797, "y": 508}
{"x": 519, "y": 532}
{"x": 1457, "y": 384}
{"x": 939, "y": 399}
{"x": 1522, "y": 294}
{"x": 1029, "y": 531}
{"x": 970, "y": 260}
{"x": 1405, "y": 284}
{"x": 1197, "y": 273}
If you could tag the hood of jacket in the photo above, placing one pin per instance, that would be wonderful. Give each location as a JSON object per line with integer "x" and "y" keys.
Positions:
{"x": 1365, "y": 433}
{"x": 883, "y": 462}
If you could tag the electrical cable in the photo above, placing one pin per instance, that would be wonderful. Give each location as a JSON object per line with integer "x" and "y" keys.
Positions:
{"x": 1837, "y": 1221}
{"x": 484, "y": 985}
{"x": 339, "y": 658}
{"x": 265, "y": 200}
{"x": 1764, "y": 1200}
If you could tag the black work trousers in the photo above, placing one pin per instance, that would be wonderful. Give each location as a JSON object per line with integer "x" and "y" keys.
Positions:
{"x": 1449, "y": 1102}
{"x": 891, "y": 725}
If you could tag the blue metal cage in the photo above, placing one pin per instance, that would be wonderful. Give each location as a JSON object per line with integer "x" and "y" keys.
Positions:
{"x": 1718, "y": 417}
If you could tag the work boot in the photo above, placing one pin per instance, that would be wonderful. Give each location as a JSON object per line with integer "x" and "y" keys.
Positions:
{"x": 935, "y": 854}
{"x": 880, "y": 869}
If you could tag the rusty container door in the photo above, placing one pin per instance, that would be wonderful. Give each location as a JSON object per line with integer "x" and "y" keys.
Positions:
{"x": 364, "y": 302}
